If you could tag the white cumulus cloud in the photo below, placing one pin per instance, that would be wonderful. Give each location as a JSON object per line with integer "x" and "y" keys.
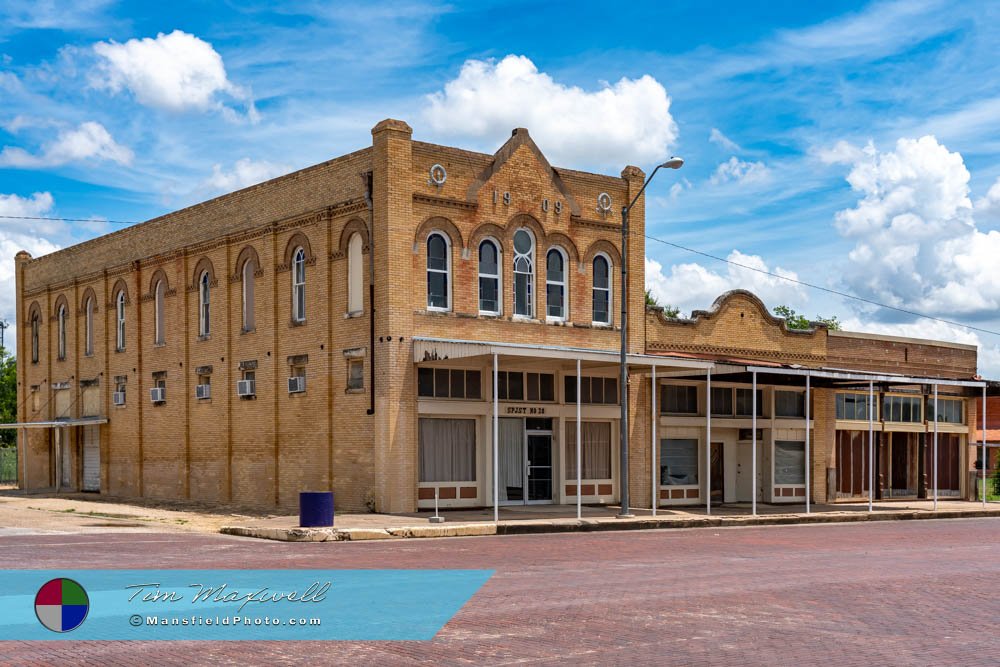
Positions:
{"x": 244, "y": 173}
{"x": 89, "y": 140}
{"x": 622, "y": 123}
{"x": 17, "y": 235}
{"x": 176, "y": 72}
{"x": 735, "y": 170}
{"x": 989, "y": 206}
{"x": 692, "y": 286}
{"x": 916, "y": 242}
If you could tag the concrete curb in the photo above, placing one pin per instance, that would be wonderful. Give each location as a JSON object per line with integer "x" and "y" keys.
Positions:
{"x": 534, "y": 527}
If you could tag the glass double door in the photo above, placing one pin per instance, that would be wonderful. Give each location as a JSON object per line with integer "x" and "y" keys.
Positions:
{"x": 525, "y": 466}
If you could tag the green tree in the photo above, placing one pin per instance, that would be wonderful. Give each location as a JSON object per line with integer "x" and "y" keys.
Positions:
{"x": 668, "y": 310}
{"x": 8, "y": 397}
{"x": 796, "y": 321}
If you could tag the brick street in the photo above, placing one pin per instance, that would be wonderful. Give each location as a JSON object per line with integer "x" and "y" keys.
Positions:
{"x": 900, "y": 593}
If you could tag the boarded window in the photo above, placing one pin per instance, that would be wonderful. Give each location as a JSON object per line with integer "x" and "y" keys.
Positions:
{"x": 789, "y": 462}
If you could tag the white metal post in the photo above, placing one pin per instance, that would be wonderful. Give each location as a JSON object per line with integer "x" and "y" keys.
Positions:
{"x": 579, "y": 448}
{"x": 935, "y": 448}
{"x": 753, "y": 454}
{"x": 984, "y": 446}
{"x": 708, "y": 442}
{"x": 496, "y": 440}
{"x": 808, "y": 464}
{"x": 652, "y": 447}
{"x": 871, "y": 443}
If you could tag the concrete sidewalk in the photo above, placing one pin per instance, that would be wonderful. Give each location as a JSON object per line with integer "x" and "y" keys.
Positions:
{"x": 533, "y": 519}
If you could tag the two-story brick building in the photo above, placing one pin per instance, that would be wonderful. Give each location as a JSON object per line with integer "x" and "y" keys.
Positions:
{"x": 413, "y": 320}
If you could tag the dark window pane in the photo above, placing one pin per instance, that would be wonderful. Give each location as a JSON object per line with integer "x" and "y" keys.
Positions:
{"x": 597, "y": 390}
{"x": 488, "y": 300}
{"x": 437, "y": 289}
{"x": 722, "y": 401}
{"x": 601, "y": 306}
{"x": 487, "y": 258}
{"x": 532, "y": 386}
{"x": 441, "y": 382}
{"x": 611, "y": 390}
{"x": 522, "y": 290}
{"x": 585, "y": 389}
{"x": 554, "y": 300}
{"x": 425, "y": 381}
{"x": 547, "y": 390}
{"x": 515, "y": 386}
{"x": 458, "y": 384}
{"x": 437, "y": 253}
{"x": 502, "y": 386}
{"x": 569, "y": 387}
{"x": 789, "y": 404}
{"x": 600, "y": 272}
{"x": 554, "y": 266}
{"x": 472, "y": 385}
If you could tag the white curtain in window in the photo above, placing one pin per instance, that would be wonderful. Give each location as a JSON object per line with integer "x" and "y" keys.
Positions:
{"x": 447, "y": 450}
{"x": 595, "y": 445}
{"x": 511, "y": 452}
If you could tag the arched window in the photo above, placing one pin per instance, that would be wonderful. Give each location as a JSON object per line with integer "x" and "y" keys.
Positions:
{"x": 355, "y": 283}
{"x": 524, "y": 273}
{"x": 299, "y": 285}
{"x": 120, "y": 315}
{"x": 88, "y": 334}
{"x": 489, "y": 278}
{"x": 602, "y": 290}
{"x": 438, "y": 270}
{"x": 61, "y": 326}
{"x": 249, "y": 268}
{"x": 34, "y": 338}
{"x": 204, "y": 305}
{"x": 555, "y": 284}
{"x": 159, "y": 336}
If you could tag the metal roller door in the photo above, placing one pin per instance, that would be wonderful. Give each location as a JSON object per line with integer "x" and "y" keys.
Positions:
{"x": 91, "y": 458}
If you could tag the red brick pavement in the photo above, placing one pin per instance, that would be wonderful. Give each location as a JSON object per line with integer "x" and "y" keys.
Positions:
{"x": 906, "y": 593}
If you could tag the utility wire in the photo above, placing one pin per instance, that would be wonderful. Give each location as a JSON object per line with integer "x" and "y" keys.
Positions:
{"x": 678, "y": 246}
{"x": 828, "y": 290}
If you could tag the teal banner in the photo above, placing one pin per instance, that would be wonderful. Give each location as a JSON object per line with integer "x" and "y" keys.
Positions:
{"x": 144, "y": 605}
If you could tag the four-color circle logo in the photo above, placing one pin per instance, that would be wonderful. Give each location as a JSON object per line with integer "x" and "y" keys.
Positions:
{"x": 61, "y": 605}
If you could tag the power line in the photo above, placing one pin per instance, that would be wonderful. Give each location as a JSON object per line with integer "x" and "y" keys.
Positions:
{"x": 845, "y": 295}
{"x": 35, "y": 217}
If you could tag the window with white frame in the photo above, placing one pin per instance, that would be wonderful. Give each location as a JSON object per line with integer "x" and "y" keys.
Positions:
{"x": 35, "y": 328}
{"x": 355, "y": 282}
{"x": 159, "y": 326}
{"x": 602, "y": 290}
{"x": 299, "y": 285}
{"x": 524, "y": 273}
{"x": 438, "y": 269}
{"x": 489, "y": 278}
{"x": 950, "y": 410}
{"x": 447, "y": 450}
{"x": 679, "y": 399}
{"x": 789, "y": 462}
{"x": 789, "y": 404}
{"x": 249, "y": 269}
{"x": 88, "y": 335}
{"x": 852, "y": 406}
{"x": 595, "y": 450}
{"x": 61, "y": 327}
{"x": 678, "y": 462}
{"x": 903, "y": 409}
{"x": 204, "y": 305}
{"x": 120, "y": 317}
{"x": 555, "y": 284}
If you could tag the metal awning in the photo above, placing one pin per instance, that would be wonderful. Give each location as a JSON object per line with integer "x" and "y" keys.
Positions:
{"x": 427, "y": 350}
{"x": 59, "y": 423}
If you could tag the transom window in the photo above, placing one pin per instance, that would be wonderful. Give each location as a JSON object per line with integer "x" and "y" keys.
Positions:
{"x": 519, "y": 386}
{"x": 852, "y": 406}
{"x": 299, "y": 285}
{"x": 555, "y": 285}
{"x": 789, "y": 404}
{"x": 489, "y": 278}
{"x": 437, "y": 272}
{"x": 449, "y": 383}
{"x": 599, "y": 390}
{"x": 602, "y": 290}
{"x": 736, "y": 402}
{"x": 950, "y": 410}
{"x": 679, "y": 400}
{"x": 524, "y": 272}
{"x": 905, "y": 409}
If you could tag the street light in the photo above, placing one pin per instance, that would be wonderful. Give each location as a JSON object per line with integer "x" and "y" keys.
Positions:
{"x": 672, "y": 163}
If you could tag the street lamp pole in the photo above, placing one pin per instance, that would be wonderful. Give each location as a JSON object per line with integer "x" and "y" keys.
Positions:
{"x": 672, "y": 163}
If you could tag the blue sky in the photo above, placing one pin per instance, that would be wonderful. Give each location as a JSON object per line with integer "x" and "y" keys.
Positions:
{"x": 850, "y": 145}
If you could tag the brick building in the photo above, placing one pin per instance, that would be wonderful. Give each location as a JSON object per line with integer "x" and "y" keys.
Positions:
{"x": 387, "y": 324}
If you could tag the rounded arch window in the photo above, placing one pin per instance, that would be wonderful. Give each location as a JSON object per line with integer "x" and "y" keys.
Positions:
{"x": 524, "y": 272}
{"x": 438, "y": 272}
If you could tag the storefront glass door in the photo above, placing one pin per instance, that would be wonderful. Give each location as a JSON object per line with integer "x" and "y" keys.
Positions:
{"x": 525, "y": 466}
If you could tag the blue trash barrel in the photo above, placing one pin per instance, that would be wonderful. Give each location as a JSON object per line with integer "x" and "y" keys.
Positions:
{"x": 316, "y": 509}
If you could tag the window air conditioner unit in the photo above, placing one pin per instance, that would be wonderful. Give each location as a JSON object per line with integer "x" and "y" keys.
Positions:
{"x": 158, "y": 394}
{"x": 118, "y": 397}
{"x": 246, "y": 388}
{"x": 296, "y": 385}
{"x": 203, "y": 391}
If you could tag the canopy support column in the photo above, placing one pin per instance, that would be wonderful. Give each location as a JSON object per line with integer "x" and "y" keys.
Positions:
{"x": 496, "y": 440}
{"x": 935, "y": 448}
{"x": 655, "y": 488}
{"x": 871, "y": 444}
{"x": 808, "y": 464}
{"x": 753, "y": 454}
{"x": 708, "y": 441}
{"x": 985, "y": 458}
{"x": 579, "y": 448}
